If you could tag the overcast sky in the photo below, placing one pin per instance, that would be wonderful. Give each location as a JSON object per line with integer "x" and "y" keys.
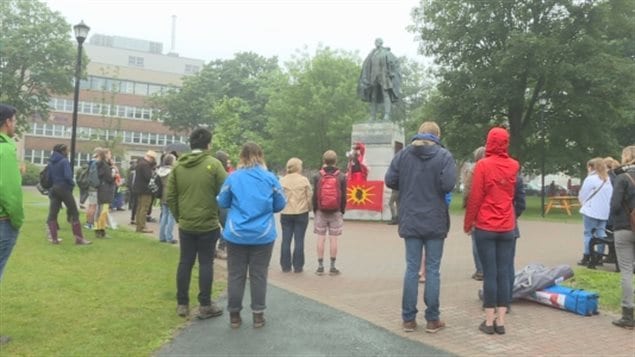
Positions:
{"x": 212, "y": 29}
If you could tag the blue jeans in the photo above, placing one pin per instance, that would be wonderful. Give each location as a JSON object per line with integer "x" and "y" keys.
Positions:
{"x": 434, "y": 252}
{"x": 591, "y": 225}
{"x": 477, "y": 261}
{"x": 192, "y": 245}
{"x": 8, "y": 237}
{"x": 293, "y": 229}
{"x": 166, "y": 224}
{"x": 496, "y": 251}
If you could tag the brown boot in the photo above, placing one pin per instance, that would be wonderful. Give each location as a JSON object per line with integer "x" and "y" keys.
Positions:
{"x": 52, "y": 226}
{"x": 79, "y": 236}
{"x": 259, "y": 319}
{"x": 234, "y": 319}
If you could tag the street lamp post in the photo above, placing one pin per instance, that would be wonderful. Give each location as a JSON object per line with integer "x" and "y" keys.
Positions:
{"x": 81, "y": 32}
{"x": 542, "y": 102}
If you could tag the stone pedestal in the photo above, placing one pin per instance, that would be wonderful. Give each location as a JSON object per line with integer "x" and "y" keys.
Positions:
{"x": 382, "y": 141}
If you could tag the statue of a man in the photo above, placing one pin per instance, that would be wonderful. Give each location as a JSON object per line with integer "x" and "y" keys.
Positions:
{"x": 380, "y": 80}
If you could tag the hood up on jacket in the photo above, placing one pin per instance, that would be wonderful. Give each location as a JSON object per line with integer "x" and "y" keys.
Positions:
{"x": 56, "y": 157}
{"x": 193, "y": 159}
{"x": 497, "y": 143}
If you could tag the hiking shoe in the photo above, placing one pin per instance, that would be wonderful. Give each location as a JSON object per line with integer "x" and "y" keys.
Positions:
{"x": 334, "y": 271}
{"x": 486, "y": 329}
{"x": 259, "y": 319}
{"x": 478, "y": 276}
{"x": 409, "y": 326}
{"x": 234, "y": 319}
{"x": 205, "y": 312}
{"x": 434, "y": 326}
{"x": 183, "y": 310}
{"x": 320, "y": 271}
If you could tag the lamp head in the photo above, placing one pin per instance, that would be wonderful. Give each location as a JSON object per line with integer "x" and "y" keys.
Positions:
{"x": 81, "y": 31}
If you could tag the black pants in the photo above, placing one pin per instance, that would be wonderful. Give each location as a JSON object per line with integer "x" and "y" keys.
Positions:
{"x": 58, "y": 195}
{"x": 293, "y": 229}
{"x": 133, "y": 205}
{"x": 193, "y": 244}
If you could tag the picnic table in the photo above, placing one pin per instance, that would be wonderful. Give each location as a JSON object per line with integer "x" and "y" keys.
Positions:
{"x": 565, "y": 203}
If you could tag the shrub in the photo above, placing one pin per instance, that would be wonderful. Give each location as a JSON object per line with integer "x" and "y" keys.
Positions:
{"x": 31, "y": 175}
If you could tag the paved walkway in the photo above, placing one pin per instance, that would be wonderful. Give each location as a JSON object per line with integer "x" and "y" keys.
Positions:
{"x": 371, "y": 259}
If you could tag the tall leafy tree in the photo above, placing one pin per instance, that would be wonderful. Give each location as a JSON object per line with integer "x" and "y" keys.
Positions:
{"x": 245, "y": 77}
{"x": 498, "y": 59}
{"x": 314, "y": 108}
{"x": 37, "y": 56}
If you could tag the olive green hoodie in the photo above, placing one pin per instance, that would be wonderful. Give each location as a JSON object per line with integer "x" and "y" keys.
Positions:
{"x": 10, "y": 183}
{"x": 192, "y": 188}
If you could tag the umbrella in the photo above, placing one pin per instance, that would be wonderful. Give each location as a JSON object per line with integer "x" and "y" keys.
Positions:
{"x": 177, "y": 147}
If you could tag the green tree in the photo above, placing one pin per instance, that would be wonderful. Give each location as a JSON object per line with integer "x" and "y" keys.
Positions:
{"x": 314, "y": 108}
{"x": 245, "y": 76}
{"x": 37, "y": 56}
{"x": 499, "y": 58}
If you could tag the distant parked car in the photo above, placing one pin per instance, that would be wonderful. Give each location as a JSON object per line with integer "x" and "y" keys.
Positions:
{"x": 531, "y": 189}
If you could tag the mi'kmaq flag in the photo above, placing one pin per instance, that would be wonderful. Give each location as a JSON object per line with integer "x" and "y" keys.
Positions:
{"x": 360, "y": 193}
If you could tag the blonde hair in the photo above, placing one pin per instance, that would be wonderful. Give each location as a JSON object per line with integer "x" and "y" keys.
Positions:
{"x": 597, "y": 164}
{"x": 430, "y": 127}
{"x": 479, "y": 153}
{"x": 251, "y": 155}
{"x": 294, "y": 165}
{"x": 611, "y": 163}
{"x": 628, "y": 155}
{"x": 329, "y": 157}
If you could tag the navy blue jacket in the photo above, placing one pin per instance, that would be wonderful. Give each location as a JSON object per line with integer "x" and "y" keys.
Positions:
{"x": 60, "y": 171}
{"x": 423, "y": 174}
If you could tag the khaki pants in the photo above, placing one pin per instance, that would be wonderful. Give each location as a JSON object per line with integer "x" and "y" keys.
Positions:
{"x": 143, "y": 204}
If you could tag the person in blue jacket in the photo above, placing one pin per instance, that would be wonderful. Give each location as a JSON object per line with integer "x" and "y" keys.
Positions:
{"x": 252, "y": 194}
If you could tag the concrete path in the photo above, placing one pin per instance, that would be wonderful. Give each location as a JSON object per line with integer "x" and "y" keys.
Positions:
{"x": 371, "y": 258}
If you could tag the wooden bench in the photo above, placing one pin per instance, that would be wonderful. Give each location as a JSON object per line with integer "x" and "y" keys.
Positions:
{"x": 563, "y": 202}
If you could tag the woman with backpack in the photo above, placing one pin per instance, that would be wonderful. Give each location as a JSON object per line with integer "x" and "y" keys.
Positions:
{"x": 623, "y": 216}
{"x": 105, "y": 190}
{"x": 61, "y": 178}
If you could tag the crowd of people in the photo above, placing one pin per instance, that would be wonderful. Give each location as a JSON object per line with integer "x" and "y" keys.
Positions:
{"x": 215, "y": 205}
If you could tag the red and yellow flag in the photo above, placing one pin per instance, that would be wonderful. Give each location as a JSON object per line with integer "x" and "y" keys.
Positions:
{"x": 366, "y": 195}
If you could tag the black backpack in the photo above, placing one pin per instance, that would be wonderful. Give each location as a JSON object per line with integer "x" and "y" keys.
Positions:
{"x": 45, "y": 182}
{"x": 155, "y": 185}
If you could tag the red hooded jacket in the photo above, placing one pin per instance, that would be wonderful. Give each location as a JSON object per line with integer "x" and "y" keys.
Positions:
{"x": 490, "y": 203}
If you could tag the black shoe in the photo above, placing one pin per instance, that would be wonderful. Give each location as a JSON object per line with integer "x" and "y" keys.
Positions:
{"x": 319, "y": 271}
{"x": 499, "y": 329}
{"x": 334, "y": 271}
{"x": 486, "y": 329}
{"x": 585, "y": 260}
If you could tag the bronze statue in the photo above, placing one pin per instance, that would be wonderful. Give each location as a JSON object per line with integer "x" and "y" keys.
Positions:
{"x": 380, "y": 80}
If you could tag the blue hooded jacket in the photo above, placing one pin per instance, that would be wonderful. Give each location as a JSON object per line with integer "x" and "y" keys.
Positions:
{"x": 60, "y": 171}
{"x": 252, "y": 196}
{"x": 424, "y": 173}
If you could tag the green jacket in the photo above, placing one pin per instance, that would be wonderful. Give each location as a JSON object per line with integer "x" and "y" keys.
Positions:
{"x": 192, "y": 189}
{"x": 10, "y": 183}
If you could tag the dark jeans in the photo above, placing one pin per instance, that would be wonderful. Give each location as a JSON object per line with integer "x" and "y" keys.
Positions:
{"x": 57, "y": 195}
{"x": 241, "y": 258}
{"x": 495, "y": 249}
{"x": 8, "y": 237}
{"x": 293, "y": 228}
{"x": 433, "y": 254}
{"x": 132, "y": 204}
{"x": 193, "y": 244}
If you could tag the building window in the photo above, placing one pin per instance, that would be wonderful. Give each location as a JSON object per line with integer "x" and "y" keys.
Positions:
{"x": 191, "y": 69}
{"x": 140, "y": 88}
{"x": 135, "y": 61}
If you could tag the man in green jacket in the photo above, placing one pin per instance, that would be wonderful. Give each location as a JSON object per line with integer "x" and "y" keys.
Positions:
{"x": 11, "y": 211}
{"x": 192, "y": 188}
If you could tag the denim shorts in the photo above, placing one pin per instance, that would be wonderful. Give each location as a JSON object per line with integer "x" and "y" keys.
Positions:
{"x": 332, "y": 222}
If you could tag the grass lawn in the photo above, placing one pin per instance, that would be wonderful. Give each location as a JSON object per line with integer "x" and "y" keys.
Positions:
{"x": 115, "y": 297}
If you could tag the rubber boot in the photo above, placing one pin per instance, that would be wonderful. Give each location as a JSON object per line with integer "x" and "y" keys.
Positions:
{"x": 79, "y": 237}
{"x": 585, "y": 260}
{"x": 627, "y": 319}
{"x": 53, "y": 232}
